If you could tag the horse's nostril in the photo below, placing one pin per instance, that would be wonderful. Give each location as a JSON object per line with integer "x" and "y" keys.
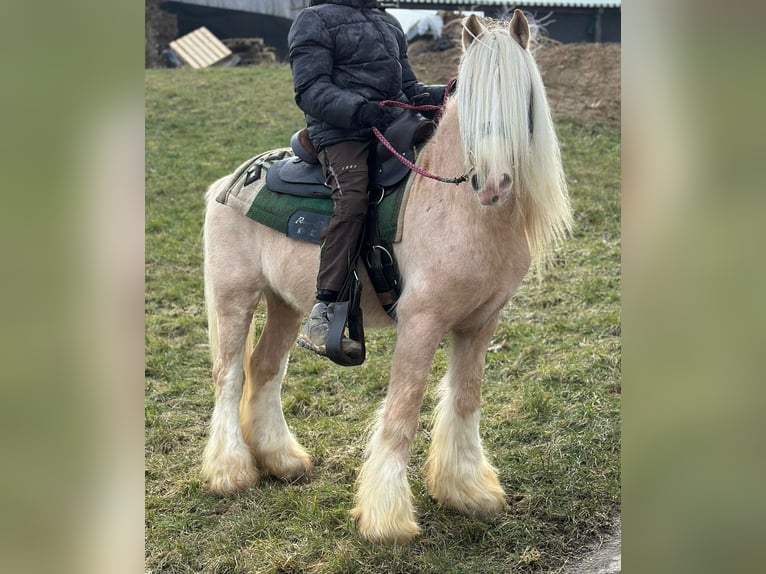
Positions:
{"x": 475, "y": 182}
{"x": 495, "y": 198}
{"x": 506, "y": 181}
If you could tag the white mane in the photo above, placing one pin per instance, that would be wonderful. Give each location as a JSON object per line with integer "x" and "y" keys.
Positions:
{"x": 497, "y": 82}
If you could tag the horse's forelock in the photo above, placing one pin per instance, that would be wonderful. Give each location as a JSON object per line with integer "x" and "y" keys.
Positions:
{"x": 506, "y": 127}
{"x": 493, "y": 102}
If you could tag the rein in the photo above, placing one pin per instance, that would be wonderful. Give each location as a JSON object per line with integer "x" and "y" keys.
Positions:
{"x": 426, "y": 108}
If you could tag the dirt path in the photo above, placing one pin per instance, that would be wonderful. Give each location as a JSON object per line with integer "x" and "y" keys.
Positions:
{"x": 602, "y": 557}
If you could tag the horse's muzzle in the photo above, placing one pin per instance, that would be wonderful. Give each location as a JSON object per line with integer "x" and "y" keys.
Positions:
{"x": 494, "y": 190}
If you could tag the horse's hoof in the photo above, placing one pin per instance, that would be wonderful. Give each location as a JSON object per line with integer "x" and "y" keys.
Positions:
{"x": 230, "y": 476}
{"x": 485, "y": 506}
{"x": 401, "y": 533}
{"x": 483, "y": 499}
{"x": 291, "y": 466}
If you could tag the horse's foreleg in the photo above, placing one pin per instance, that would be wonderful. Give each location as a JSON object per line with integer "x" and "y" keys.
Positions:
{"x": 263, "y": 423}
{"x": 384, "y": 509}
{"x": 228, "y": 465}
{"x": 458, "y": 474}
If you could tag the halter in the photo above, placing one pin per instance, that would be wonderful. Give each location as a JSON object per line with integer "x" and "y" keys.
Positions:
{"x": 427, "y": 108}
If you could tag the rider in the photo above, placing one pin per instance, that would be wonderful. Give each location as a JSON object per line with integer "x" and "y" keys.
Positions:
{"x": 346, "y": 57}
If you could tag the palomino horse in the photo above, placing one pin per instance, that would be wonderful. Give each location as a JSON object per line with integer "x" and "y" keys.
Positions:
{"x": 463, "y": 252}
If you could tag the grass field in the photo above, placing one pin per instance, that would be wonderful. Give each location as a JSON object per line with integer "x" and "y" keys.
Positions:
{"x": 551, "y": 416}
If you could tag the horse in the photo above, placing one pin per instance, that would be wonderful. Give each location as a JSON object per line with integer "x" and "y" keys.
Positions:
{"x": 464, "y": 250}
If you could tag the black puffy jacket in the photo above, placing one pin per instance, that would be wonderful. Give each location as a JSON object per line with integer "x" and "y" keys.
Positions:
{"x": 343, "y": 54}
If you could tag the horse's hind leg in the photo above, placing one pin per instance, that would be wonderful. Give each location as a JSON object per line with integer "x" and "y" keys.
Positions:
{"x": 263, "y": 423}
{"x": 228, "y": 465}
{"x": 458, "y": 474}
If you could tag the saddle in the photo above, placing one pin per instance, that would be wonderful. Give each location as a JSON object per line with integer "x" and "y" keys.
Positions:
{"x": 302, "y": 175}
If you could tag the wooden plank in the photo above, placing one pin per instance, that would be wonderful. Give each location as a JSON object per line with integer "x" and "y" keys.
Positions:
{"x": 188, "y": 57}
{"x": 200, "y": 44}
{"x": 194, "y": 45}
{"x": 221, "y": 48}
{"x": 197, "y": 44}
{"x": 200, "y": 48}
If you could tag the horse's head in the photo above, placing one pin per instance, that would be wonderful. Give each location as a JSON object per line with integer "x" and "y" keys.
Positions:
{"x": 495, "y": 106}
{"x": 507, "y": 135}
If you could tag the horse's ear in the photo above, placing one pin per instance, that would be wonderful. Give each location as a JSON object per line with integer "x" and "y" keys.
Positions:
{"x": 472, "y": 29}
{"x": 519, "y": 28}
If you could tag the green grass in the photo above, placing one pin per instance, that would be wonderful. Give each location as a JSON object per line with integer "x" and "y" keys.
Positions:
{"x": 551, "y": 416}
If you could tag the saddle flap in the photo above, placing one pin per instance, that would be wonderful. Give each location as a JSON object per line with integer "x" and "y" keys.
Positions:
{"x": 390, "y": 172}
{"x": 296, "y": 177}
{"x": 305, "y": 225}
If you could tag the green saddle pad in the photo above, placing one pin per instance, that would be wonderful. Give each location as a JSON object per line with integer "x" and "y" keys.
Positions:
{"x": 301, "y": 218}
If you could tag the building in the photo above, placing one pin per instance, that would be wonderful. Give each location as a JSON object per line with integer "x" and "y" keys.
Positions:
{"x": 267, "y": 19}
{"x": 564, "y": 20}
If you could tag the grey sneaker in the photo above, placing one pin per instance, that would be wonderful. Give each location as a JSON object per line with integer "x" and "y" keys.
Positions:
{"x": 313, "y": 336}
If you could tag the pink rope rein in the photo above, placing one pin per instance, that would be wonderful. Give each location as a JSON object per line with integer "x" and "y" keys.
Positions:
{"x": 426, "y": 108}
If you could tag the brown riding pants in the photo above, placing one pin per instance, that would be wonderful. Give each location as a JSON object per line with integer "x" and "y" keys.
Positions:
{"x": 347, "y": 174}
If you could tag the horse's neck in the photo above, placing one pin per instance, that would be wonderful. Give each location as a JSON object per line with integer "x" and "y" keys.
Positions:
{"x": 443, "y": 157}
{"x": 444, "y": 152}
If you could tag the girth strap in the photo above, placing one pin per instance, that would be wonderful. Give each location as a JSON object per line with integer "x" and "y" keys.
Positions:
{"x": 381, "y": 265}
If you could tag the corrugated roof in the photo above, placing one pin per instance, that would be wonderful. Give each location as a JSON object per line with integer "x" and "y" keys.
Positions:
{"x": 284, "y": 8}
{"x": 479, "y": 3}
{"x": 281, "y": 8}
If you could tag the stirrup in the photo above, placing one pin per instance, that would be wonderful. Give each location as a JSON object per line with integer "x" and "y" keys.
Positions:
{"x": 346, "y": 313}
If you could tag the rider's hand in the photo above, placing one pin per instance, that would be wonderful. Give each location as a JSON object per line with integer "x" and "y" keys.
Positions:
{"x": 372, "y": 114}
